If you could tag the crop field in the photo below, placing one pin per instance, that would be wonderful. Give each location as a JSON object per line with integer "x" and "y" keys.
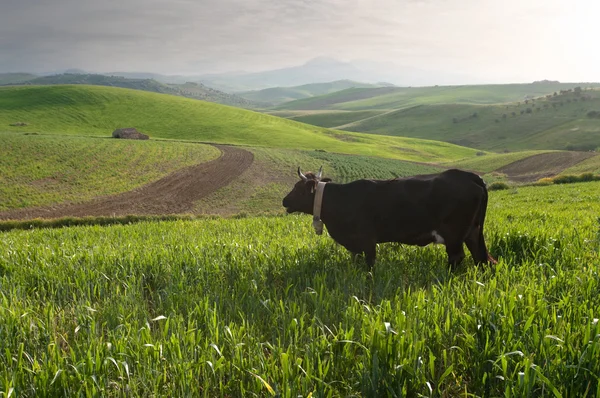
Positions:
{"x": 37, "y": 170}
{"x": 263, "y": 307}
{"x": 490, "y": 162}
{"x": 98, "y": 111}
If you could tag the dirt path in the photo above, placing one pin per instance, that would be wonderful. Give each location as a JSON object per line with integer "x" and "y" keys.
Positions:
{"x": 543, "y": 165}
{"x": 173, "y": 194}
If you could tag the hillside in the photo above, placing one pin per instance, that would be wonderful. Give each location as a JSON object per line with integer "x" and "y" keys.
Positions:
{"x": 566, "y": 119}
{"x": 565, "y": 122}
{"x": 389, "y": 98}
{"x": 189, "y": 90}
{"x": 97, "y": 111}
{"x": 278, "y": 95}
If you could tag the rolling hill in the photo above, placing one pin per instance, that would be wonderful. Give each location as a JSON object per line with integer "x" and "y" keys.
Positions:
{"x": 188, "y": 90}
{"x": 97, "y": 111}
{"x": 278, "y": 95}
{"x": 392, "y": 98}
{"x": 477, "y": 117}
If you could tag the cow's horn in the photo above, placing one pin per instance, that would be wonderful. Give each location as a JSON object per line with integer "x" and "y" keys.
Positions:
{"x": 301, "y": 175}
{"x": 320, "y": 172}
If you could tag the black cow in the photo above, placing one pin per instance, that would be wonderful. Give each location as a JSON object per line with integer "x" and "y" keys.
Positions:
{"x": 447, "y": 208}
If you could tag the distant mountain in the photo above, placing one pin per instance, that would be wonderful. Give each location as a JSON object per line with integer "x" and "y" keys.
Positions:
{"x": 318, "y": 70}
{"x": 321, "y": 70}
{"x": 278, "y": 95}
{"x": 189, "y": 90}
{"x": 15, "y": 78}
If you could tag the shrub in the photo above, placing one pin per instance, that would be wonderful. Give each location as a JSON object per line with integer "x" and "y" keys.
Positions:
{"x": 498, "y": 186}
{"x": 544, "y": 181}
{"x": 570, "y": 178}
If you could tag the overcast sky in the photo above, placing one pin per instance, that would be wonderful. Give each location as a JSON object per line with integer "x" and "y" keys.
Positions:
{"x": 486, "y": 40}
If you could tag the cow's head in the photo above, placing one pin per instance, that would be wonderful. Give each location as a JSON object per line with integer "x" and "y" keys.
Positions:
{"x": 302, "y": 196}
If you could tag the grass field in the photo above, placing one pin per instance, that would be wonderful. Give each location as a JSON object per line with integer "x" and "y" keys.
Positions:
{"x": 97, "y": 111}
{"x": 37, "y": 170}
{"x": 263, "y": 307}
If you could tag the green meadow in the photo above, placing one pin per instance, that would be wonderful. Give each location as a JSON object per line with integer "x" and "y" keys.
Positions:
{"x": 256, "y": 304}
{"x": 263, "y": 307}
{"x": 97, "y": 111}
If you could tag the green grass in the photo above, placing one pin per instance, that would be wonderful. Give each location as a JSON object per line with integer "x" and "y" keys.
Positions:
{"x": 97, "y": 111}
{"x": 263, "y": 307}
{"x": 334, "y": 119}
{"x": 38, "y": 170}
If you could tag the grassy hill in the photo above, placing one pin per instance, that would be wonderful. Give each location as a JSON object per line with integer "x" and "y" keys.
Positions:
{"x": 189, "y": 90}
{"x": 558, "y": 122}
{"x": 97, "y": 111}
{"x": 562, "y": 119}
{"x": 277, "y": 95}
{"x": 387, "y": 98}
{"x": 38, "y": 170}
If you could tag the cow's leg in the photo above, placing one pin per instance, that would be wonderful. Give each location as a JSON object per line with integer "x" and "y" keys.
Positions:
{"x": 476, "y": 245}
{"x": 455, "y": 253}
{"x": 370, "y": 255}
{"x": 360, "y": 245}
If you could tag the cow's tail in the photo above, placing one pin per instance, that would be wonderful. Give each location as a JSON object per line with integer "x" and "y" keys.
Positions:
{"x": 482, "y": 211}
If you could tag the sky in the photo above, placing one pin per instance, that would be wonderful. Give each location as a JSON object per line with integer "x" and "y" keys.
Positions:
{"x": 477, "y": 40}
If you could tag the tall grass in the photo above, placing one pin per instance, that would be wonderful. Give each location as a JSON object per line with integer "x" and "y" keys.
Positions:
{"x": 263, "y": 307}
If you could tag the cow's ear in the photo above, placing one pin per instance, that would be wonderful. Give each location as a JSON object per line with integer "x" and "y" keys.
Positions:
{"x": 311, "y": 185}
{"x": 327, "y": 179}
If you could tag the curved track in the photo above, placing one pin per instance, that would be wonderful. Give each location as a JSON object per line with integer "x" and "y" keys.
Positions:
{"x": 173, "y": 194}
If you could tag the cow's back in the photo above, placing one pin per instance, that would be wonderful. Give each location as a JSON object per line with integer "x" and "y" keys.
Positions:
{"x": 410, "y": 209}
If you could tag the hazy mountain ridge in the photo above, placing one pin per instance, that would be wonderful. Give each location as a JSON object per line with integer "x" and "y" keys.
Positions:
{"x": 278, "y": 95}
{"x": 189, "y": 89}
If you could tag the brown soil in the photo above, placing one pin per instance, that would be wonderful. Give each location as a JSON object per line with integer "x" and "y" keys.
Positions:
{"x": 543, "y": 165}
{"x": 173, "y": 194}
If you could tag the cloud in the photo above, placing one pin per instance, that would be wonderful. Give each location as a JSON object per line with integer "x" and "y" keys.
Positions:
{"x": 499, "y": 39}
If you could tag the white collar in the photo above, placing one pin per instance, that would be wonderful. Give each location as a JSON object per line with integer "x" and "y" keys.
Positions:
{"x": 317, "y": 223}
